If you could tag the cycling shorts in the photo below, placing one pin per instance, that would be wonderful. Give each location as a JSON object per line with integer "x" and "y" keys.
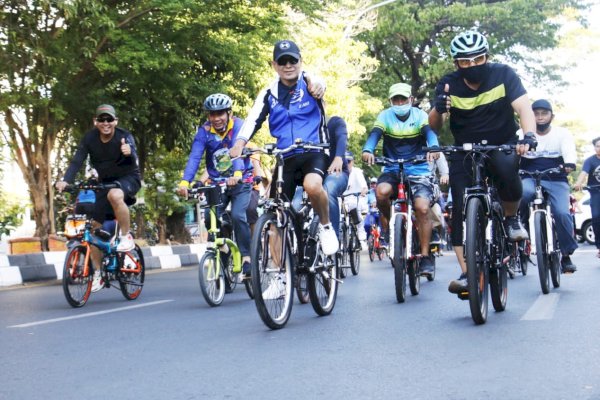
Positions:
{"x": 296, "y": 168}
{"x": 103, "y": 211}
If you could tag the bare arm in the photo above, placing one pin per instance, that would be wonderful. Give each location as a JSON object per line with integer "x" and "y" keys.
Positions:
{"x": 522, "y": 107}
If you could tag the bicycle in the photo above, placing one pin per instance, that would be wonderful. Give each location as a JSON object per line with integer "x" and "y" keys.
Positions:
{"x": 221, "y": 264}
{"x": 405, "y": 247}
{"x": 350, "y": 246}
{"x": 283, "y": 250}
{"x": 544, "y": 241}
{"x": 486, "y": 248}
{"x": 127, "y": 268}
{"x": 374, "y": 246}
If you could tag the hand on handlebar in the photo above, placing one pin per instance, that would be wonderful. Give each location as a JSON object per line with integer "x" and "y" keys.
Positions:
{"x": 182, "y": 191}
{"x": 368, "y": 158}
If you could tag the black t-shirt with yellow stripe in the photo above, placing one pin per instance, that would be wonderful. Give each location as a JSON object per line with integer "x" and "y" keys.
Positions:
{"x": 485, "y": 113}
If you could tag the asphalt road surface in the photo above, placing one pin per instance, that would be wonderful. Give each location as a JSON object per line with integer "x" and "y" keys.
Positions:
{"x": 169, "y": 344}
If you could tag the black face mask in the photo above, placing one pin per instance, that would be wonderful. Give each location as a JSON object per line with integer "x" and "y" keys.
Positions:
{"x": 474, "y": 74}
{"x": 542, "y": 127}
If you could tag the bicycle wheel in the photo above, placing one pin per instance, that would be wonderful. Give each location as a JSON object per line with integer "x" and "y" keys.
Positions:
{"x": 212, "y": 279}
{"x": 231, "y": 278}
{"x": 77, "y": 285}
{"x": 524, "y": 253}
{"x": 354, "y": 249}
{"x": 399, "y": 260}
{"x": 272, "y": 273}
{"x": 344, "y": 250}
{"x": 132, "y": 273}
{"x": 323, "y": 277}
{"x": 555, "y": 266}
{"x": 414, "y": 278}
{"x": 371, "y": 248}
{"x": 499, "y": 272}
{"x": 302, "y": 288}
{"x": 541, "y": 247}
{"x": 475, "y": 256}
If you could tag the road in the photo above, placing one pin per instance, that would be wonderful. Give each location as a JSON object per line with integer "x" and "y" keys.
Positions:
{"x": 170, "y": 345}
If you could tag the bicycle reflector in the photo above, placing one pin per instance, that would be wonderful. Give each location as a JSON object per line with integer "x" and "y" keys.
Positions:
{"x": 74, "y": 226}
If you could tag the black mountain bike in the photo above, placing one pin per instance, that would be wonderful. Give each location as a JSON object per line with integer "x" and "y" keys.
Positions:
{"x": 283, "y": 252}
{"x": 486, "y": 247}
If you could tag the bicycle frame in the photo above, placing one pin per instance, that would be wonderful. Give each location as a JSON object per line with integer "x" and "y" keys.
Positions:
{"x": 404, "y": 205}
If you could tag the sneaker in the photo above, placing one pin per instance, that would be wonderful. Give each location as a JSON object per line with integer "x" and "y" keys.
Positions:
{"x": 459, "y": 285}
{"x": 362, "y": 235}
{"x": 426, "y": 266}
{"x": 246, "y": 270}
{"x": 276, "y": 289}
{"x": 384, "y": 239}
{"x": 567, "y": 265}
{"x": 328, "y": 239}
{"x": 98, "y": 282}
{"x": 126, "y": 243}
{"x": 515, "y": 229}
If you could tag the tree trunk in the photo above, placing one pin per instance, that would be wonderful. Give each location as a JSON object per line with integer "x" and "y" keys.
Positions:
{"x": 176, "y": 228}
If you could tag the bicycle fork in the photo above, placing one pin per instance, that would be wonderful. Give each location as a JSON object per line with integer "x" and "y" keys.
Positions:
{"x": 546, "y": 217}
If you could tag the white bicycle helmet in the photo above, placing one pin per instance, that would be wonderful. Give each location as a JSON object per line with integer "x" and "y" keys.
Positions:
{"x": 218, "y": 102}
{"x": 468, "y": 44}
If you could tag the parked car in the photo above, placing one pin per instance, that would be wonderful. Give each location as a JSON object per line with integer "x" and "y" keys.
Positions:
{"x": 583, "y": 220}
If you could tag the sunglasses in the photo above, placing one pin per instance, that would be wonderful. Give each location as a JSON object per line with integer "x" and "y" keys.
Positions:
{"x": 466, "y": 62}
{"x": 105, "y": 119}
{"x": 285, "y": 60}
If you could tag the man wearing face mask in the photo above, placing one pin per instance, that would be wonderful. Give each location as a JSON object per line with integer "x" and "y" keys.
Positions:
{"x": 405, "y": 131}
{"x": 556, "y": 147}
{"x": 480, "y": 99}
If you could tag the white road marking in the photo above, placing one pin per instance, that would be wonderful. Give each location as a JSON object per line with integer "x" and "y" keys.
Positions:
{"x": 543, "y": 308}
{"x": 92, "y": 314}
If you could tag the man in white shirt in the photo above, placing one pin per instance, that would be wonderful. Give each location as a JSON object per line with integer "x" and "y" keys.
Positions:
{"x": 356, "y": 183}
{"x": 557, "y": 140}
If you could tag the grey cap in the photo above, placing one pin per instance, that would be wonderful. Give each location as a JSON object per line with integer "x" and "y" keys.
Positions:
{"x": 106, "y": 109}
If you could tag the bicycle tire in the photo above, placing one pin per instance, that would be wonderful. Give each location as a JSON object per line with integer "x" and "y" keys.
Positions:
{"x": 555, "y": 266}
{"x": 354, "y": 251}
{"x": 132, "y": 272}
{"x": 344, "y": 250}
{"x": 431, "y": 277}
{"x": 475, "y": 253}
{"x": 498, "y": 275}
{"x": 302, "y": 288}
{"x": 399, "y": 259}
{"x": 371, "y": 248}
{"x": 272, "y": 284}
{"x": 76, "y": 285}
{"x": 414, "y": 278}
{"x": 212, "y": 279}
{"x": 231, "y": 278}
{"x": 322, "y": 280}
{"x": 524, "y": 256}
{"x": 541, "y": 247}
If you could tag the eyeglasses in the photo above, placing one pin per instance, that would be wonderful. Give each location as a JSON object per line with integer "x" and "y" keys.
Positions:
{"x": 466, "y": 62}
{"x": 283, "y": 61}
{"x": 105, "y": 119}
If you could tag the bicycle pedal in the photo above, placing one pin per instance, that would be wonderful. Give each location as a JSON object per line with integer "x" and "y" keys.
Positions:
{"x": 463, "y": 295}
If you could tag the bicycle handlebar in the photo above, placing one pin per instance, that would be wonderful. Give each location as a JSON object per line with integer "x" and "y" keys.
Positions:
{"x": 471, "y": 148}
{"x": 400, "y": 161}
{"x": 549, "y": 171}
{"x": 87, "y": 185}
{"x": 271, "y": 148}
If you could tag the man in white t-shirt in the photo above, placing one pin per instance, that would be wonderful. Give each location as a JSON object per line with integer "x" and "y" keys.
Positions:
{"x": 357, "y": 183}
{"x": 555, "y": 147}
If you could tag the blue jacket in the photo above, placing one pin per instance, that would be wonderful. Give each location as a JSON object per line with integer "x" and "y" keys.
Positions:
{"x": 218, "y": 164}
{"x": 293, "y": 115}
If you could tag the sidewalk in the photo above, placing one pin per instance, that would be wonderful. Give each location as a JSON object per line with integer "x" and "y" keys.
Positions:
{"x": 21, "y": 268}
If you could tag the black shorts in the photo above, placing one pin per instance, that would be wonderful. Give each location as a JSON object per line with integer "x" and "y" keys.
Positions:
{"x": 103, "y": 211}
{"x": 296, "y": 168}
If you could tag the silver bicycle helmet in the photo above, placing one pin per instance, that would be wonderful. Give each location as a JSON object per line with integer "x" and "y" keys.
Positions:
{"x": 218, "y": 102}
{"x": 468, "y": 44}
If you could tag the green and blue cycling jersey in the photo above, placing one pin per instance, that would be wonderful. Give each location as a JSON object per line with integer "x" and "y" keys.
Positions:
{"x": 402, "y": 138}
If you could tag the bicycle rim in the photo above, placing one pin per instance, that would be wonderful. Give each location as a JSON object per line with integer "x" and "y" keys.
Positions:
{"x": 541, "y": 247}
{"x": 132, "y": 273}
{"x": 354, "y": 250}
{"x": 323, "y": 284}
{"x": 399, "y": 260}
{"x": 211, "y": 279}
{"x": 475, "y": 256}
{"x": 77, "y": 286}
{"x": 498, "y": 275}
{"x": 272, "y": 276}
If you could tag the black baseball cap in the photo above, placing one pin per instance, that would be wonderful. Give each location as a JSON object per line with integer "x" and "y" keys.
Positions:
{"x": 285, "y": 48}
{"x": 541, "y": 103}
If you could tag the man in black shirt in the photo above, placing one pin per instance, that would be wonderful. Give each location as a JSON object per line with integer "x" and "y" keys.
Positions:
{"x": 112, "y": 153}
{"x": 480, "y": 100}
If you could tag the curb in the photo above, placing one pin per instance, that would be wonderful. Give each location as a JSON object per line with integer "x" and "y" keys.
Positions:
{"x": 23, "y": 268}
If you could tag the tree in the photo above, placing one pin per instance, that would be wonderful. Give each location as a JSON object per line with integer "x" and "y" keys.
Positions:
{"x": 412, "y": 38}
{"x": 154, "y": 60}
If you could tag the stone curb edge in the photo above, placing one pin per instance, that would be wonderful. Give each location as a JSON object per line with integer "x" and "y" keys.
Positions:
{"x": 23, "y": 268}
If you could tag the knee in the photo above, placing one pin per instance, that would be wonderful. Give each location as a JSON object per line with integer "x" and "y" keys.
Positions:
{"x": 313, "y": 187}
{"x": 115, "y": 196}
